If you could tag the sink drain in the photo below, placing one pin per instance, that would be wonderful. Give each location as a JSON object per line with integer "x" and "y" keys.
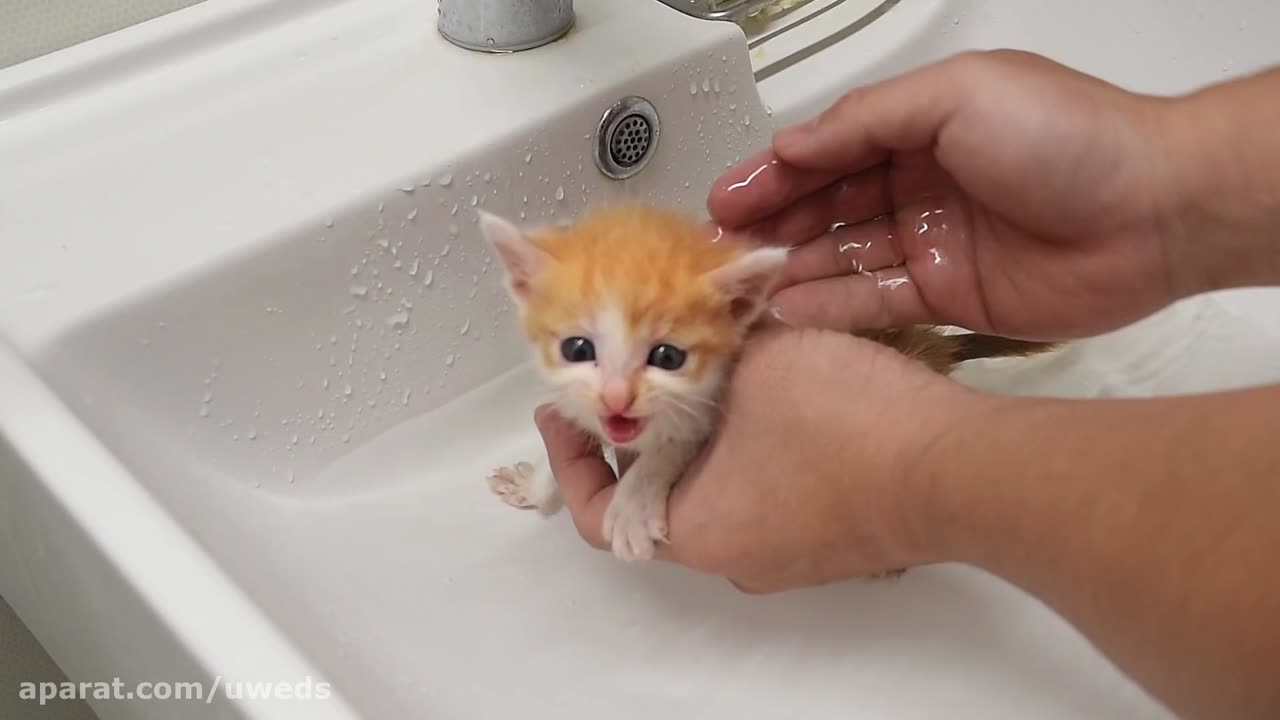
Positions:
{"x": 627, "y": 137}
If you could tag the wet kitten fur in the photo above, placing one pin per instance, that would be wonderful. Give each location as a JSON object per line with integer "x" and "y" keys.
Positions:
{"x": 631, "y": 279}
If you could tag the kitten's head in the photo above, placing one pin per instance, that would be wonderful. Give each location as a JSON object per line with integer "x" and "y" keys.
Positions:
{"x": 634, "y": 315}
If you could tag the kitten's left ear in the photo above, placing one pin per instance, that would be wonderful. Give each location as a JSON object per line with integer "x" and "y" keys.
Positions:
{"x": 749, "y": 279}
{"x": 522, "y": 260}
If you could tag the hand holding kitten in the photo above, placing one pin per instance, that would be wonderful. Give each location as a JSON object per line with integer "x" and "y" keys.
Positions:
{"x": 791, "y": 493}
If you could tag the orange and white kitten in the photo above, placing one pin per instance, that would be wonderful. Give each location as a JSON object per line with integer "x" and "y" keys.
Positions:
{"x": 635, "y": 317}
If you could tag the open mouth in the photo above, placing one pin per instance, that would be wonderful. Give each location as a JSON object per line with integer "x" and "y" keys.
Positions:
{"x": 621, "y": 429}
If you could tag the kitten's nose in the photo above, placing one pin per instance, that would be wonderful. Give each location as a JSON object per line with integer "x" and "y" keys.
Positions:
{"x": 617, "y": 396}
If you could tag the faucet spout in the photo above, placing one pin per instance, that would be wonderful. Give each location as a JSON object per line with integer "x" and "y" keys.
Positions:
{"x": 504, "y": 26}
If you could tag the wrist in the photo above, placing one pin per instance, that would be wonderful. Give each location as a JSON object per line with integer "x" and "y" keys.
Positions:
{"x": 964, "y": 482}
{"x": 938, "y": 499}
{"x": 1225, "y": 165}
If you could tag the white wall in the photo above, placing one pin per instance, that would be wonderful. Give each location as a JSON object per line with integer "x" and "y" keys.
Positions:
{"x": 30, "y": 28}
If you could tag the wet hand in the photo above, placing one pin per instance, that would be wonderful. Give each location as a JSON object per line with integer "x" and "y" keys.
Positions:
{"x": 997, "y": 191}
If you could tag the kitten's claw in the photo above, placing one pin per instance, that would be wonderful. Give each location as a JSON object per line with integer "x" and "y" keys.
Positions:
{"x": 521, "y": 486}
{"x": 632, "y": 523}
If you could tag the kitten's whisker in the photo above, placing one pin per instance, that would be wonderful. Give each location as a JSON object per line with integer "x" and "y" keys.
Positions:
{"x": 698, "y": 399}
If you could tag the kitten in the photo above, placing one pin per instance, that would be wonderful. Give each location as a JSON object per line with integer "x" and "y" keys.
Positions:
{"x": 635, "y": 317}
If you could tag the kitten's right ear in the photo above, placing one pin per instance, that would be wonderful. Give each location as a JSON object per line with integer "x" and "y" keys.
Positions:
{"x": 521, "y": 259}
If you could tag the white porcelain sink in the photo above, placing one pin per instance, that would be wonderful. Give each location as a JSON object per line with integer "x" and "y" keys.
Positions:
{"x": 256, "y": 362}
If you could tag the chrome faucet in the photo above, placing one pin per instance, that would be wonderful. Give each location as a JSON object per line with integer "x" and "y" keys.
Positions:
{"x": 734, "y": 10}
{"x": 504, "y": 26}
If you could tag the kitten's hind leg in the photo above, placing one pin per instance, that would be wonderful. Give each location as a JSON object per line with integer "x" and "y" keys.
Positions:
{"x": 527, "y": 485}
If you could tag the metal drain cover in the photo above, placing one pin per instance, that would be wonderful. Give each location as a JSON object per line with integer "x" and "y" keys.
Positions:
{"x": 627, "y": 137}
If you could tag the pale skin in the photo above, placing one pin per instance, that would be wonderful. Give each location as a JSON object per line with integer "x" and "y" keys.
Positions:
{"x": 1069, "y": 208}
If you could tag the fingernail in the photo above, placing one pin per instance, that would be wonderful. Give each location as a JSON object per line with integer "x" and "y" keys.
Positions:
{"x": 775, "y": 312}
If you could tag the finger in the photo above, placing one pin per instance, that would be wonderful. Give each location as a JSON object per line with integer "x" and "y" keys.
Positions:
{"x": 903, "y": 113}
{"x": 586, "y": 481}
{"x": 883, "y": 299}
{"x": 751, "y": 588}
{"x": 760, "y": 186}
{"x": 848, "y": 250}
{"x": 847, "y": 201}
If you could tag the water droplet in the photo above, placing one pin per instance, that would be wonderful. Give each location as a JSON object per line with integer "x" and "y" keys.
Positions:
{"x": 405, "y": 399}
{"x": 450, "y": 359}
{"x": 291, "y": 478}
{"x": 560, "y": 192}
{"x": 346, "y": 389}
{"x": 465, "y": 327}
{"x": 453, "y": 230}
{"x": 328, "y": 222}
{"x": 746, "y": 120}
{"x": 693, "y": 87}
{"x": 406, "y": 188}
{"x": 426, "y": 279}
{"x": 715, "y": 84}
{"x": 445, "y": 251}
{"x": 446, "y": 180}
{"x": 204, "y": 411}
{"x": 324, "y": 384}
{"x": 252, "y": 434}
{"x": 346, "y": 438}
{"x": 475, "y": 200}
{"x": 381, "y": 206}
{"x": 706, "y": 84}
{"x": 398, "y": 320}
{"x": 413, "y": 215}
{"x": 359, "y": 290}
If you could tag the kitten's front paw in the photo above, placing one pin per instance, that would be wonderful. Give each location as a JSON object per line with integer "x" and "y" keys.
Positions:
{"x": 633, "y": 522}
{"x": 524, "y": 486}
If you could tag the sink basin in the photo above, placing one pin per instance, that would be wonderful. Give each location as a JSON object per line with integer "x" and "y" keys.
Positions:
{"x": 256, "y": 362}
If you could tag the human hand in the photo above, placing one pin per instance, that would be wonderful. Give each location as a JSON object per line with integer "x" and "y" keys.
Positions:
{"x": 808, "y": 479}
{"x": 997, "y": 191}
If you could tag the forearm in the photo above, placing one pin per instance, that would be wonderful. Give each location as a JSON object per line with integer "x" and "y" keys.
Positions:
{"x": 1152, "y": 525}
{"x": 1224, "y": 146}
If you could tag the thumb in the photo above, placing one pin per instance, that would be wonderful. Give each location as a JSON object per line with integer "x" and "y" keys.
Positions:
{"x": 584, "y": 477}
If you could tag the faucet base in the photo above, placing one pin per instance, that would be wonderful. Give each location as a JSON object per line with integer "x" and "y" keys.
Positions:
{"x": 503, "y": 26}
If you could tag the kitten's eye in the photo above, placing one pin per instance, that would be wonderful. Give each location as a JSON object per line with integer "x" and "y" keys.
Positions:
{"x": 667, "y": 357}
{"x": 577, "y": 350}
